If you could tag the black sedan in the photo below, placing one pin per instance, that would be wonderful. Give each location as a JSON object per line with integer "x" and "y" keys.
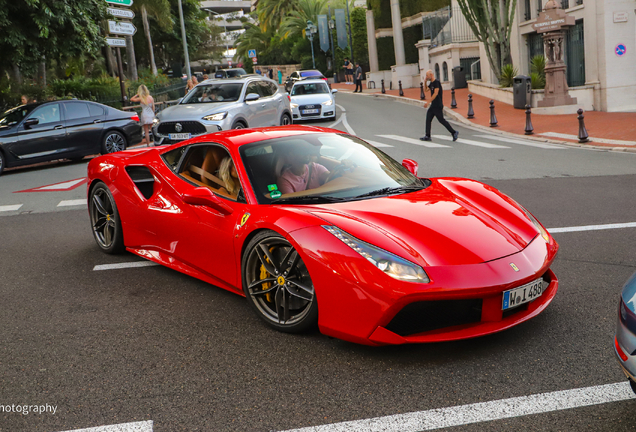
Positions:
{"x": 69, "y": 129}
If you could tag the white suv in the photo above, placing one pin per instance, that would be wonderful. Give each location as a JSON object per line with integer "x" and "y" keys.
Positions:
{"x": 222, "y": 104}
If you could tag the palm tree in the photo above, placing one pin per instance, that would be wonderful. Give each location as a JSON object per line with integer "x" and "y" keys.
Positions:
{"x": 252, "y": 38}
{"x": 160, "y": 11}
{"x": 272, "y": 12}
{"x": 296, "y": 21}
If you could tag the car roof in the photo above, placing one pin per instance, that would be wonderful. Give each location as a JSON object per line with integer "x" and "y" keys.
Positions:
{"x": 241, "y": 79}
{"x": 309, "y": 81}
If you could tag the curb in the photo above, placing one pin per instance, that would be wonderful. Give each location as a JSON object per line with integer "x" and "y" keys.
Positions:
{"x": 465, "y": 122}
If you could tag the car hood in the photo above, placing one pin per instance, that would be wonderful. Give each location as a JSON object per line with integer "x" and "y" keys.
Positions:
{"x": 193, "y": 111}
{"x": 310, "y": 99}
{"x": 452, "y": 222}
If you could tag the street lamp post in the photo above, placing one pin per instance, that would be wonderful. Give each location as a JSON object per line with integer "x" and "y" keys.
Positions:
{"x": 332, "y": 25}
{"x": 185, "y": 42}
{"x": 310, "y": 31}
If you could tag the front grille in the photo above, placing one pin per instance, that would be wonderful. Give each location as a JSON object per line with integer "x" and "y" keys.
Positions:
{"x": 304, "y": 107}
{"x": 423, "y": 316}
{"x": 193, "y": 127}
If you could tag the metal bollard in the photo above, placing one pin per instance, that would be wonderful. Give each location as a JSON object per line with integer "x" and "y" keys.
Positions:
{"x": 383, "y": 89}
{"x": 583, "y": 136}
{"x": 400, "y": 87}
{"x": 493, "y": 117}
{"x": 391, "y": 85}
{"x": 471, "y": 113}
{"x": 453, "y": 101}
{"x": 422, "y": 95}
{"x": 529, "y": 129}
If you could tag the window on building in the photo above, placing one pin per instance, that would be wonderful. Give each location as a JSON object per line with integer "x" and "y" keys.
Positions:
{"x": 535, "y": 46}
{"x": 565, "y": 4}
{"x": 437, "y": 71}
{"x": 445, "y": 71}
{"x": 575, "y": 54}
{"x": 527, "y": 9}
{"x": 471, "y": 67}
{"x": 539, "y": 7}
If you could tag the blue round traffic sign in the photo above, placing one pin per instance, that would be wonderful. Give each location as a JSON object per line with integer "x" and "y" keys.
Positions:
{"x": 620, "y": 50}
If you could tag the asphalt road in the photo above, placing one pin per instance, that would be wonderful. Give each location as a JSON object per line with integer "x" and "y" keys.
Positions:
{"x": 128, "y": 345}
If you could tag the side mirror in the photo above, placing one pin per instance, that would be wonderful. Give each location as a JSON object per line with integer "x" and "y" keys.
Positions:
{"x": 31, "y": 122}
{"x": 252, "y": 97}
{"x": 334, "y": 91}
{"x": 410, "y": 165}
{"x": 204, "y": 197}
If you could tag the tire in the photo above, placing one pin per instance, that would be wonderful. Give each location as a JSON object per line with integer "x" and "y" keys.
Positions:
{"x": 290, "y": 306}
{"x": 633, "y": 385}
{"x": 114, "y": 141}
{"x": 2, "y": 162}
{"x": 105, "y": 221}
{"x": 285, "y": 120}
{"x": 239, "y": 125}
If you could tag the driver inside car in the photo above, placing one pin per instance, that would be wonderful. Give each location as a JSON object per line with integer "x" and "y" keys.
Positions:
{"x": 301, "y": 173}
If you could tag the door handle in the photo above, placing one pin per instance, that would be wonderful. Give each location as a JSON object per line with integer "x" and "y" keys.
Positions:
{"x": 58, "y": 127}
{"x": 97, "y": 121}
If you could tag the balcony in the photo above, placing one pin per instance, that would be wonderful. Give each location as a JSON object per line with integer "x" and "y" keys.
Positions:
{"x": 447, "y": 26}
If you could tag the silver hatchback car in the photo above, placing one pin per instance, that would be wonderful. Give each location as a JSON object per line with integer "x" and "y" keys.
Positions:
{"x": 216, "y": 105}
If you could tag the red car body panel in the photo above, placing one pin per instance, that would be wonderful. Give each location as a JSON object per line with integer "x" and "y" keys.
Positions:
{"x": 465, "y": 235}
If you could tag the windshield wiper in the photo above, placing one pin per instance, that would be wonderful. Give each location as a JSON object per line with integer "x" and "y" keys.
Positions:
{"x": 309, "y": 199}
{"x": 392, "y": 190}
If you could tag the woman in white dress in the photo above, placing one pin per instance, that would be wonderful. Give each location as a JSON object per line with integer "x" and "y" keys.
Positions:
{"x": 147, "y": 110}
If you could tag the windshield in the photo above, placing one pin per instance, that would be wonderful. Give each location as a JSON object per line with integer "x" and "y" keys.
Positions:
{"x": 219, "y": 92}
{"x": 323, "y": 167}
{"x": 308, "y": 89}
{"x": 14, "y": 116}
{"x": 310, "y": 73}
{"x": 235, "y": 72}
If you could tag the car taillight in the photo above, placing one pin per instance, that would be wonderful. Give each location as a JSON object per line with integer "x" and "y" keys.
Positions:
{"x": 135, "y": 118}
{"x": 288, "y": 97}
{"x": 619, "y": 350}
{"x": 326, "y": 79}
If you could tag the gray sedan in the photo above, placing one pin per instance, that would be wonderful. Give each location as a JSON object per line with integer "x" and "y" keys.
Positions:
{"x": 216, "y": 105}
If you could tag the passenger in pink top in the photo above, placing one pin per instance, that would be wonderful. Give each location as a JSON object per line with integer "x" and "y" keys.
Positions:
{"x": 301, "y": 174}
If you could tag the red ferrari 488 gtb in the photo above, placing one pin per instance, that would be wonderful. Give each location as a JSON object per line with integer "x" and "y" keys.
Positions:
{"x": 317, "y": 227}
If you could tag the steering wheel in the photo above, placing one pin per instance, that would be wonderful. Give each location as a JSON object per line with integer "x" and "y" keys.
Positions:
{"x": 339, "y": 170}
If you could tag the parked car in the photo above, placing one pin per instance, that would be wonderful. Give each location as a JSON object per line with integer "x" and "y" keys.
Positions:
{"x": 391, "y": 257}
{"x": 230, "y": 73}
{"x": 312, "y": 99}
{"x": 303, "y": 74}
{"x": 625, "y": 339}
{"x": 68, "y": 129}
{"x": 216, "y": 105}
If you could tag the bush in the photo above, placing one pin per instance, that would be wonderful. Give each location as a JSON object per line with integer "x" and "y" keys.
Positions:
{"x": 537, "y": 69}
{"x": 537, "y": 81}
{"x": 508, "y": 72}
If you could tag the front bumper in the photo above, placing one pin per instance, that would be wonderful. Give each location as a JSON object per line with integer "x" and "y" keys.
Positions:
{"x": 326, "y": 111}
{"x": 626, "y": 341}
{"x": 209, "y": 126}
{"x": 359, "y": 303}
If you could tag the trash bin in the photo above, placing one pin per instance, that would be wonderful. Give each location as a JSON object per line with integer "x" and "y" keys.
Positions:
{"x": 459, "y": 77}
{"x": 522, "y": 91}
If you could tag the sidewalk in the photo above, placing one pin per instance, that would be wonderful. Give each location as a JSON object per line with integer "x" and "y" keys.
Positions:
{"x": 606, "y": 130}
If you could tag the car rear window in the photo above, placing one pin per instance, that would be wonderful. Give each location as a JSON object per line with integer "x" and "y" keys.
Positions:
{"x": 310, "y": 73}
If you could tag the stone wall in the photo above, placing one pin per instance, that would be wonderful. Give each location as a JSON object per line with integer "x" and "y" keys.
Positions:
{"x": 285, "y": 69}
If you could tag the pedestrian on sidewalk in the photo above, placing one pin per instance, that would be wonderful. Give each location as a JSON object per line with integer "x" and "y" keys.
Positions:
{"x": 346, "y": 70}
{"x": 358, "y": 78}
{"x": 436, "y": 107}
{"x": 147, "y": 110}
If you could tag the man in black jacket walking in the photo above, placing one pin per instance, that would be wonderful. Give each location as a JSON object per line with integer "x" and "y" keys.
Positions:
{"x": 436, "y": 107}
{"x": 358, "y": 78}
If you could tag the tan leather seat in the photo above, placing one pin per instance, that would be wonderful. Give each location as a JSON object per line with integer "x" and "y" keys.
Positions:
{"x": 211, "y": 163}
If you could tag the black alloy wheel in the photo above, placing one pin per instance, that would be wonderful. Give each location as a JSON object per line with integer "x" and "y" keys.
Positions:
{"x": 285, "y": 120}
{"x": 277, "y": 284}
{"x": 114, "y": 141}
{"x": 239, "y": 125}
{"x": 105, "y": 222}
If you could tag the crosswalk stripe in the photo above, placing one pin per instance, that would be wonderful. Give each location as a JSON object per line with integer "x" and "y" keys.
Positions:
{"x": 377, "y": 144}
{"x": 470, "y": 142}
{"x": 142, "y": 426}
{"x": 521, "y": 142}
{"x": 413, "y": 141}
{"x": 10, "y": 207}
{"x": 117, "y": 266}
{"x": 72, "y": 202}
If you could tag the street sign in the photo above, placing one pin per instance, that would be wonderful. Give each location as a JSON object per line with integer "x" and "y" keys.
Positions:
{"x": 116, "y": 42}
{"x": 121, "y": 13}
{"x": 620, "y": 50}
{"x": 121, "y": 28}
{"x": 323, "y": 32}
{"x": 254, "y": 60}
{"x": 126, "y": 3}
{"x": 251, "y": 53}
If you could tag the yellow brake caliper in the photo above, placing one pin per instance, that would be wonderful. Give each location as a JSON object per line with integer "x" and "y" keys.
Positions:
{"x": 264, "y": 275}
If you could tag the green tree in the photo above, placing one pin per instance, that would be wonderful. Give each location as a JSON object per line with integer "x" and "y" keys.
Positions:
{"x": 491, "y": 22}
{"x": 295, "y": 22}
{"x": 272, "y": 12}
{"x": 359, "y": 35}
{"x": 159, "y": 11}
{"x": 31, "y": 30}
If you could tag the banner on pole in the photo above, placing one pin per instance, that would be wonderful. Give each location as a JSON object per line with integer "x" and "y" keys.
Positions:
{"x": 341, "y": 28}
{"x": 323, "y": 31}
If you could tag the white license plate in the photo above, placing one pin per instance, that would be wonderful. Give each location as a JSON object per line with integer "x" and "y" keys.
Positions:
{"x": 180, "y": 136}
{"x": 311, "y": 111}
{"x": 523, "y": 294}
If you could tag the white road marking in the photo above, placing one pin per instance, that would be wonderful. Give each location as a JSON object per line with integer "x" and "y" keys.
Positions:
{"x": 520, "y": 142}
{"x": 377, "y": 144}
{"x": 341, "y": 108}
{"x": 332, "y": 125}
{"x": 470, "y": 142}
{"x": 414, "y": 141}
{"x": 575, "y": 137}
{"x": 117, "y": 266}
{"x": 593, "y": 227}
{"x": 10, "y": 207}
{"x": 65, "y": 185}
{"x": 144, "y": 426}
{"x": 484, "y": 411}
{"x": 346, "y": 124}
{"x": 72, "y": 202}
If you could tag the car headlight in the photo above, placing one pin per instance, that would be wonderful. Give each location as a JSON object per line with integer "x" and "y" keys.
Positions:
{"x": 329, "y": 102}
{"x": 215, "y": 117}
{"x": 155, "y": 121}
{"x": 390, "y": 264}
{"x": 536, "y": 223}
{"x": 293, "y": 105}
